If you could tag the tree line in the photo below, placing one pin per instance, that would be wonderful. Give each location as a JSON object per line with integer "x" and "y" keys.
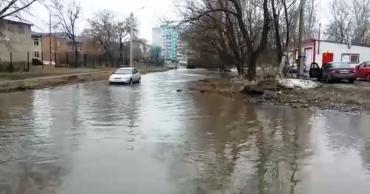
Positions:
{"x": 239, "y": 32}
{"x": 111, "y": 32}
{"x": 350, "y": 22}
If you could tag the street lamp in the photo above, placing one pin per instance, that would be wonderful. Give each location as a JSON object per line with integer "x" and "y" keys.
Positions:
{"x": 132, "y": 35}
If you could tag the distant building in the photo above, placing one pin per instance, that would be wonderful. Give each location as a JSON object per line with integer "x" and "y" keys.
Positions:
{"x": 53, "y": 47}
{"x": 167, "y": 37}
{"x": 36, "y": 46}
{"x": 182, "y": 55}
{"x": 57, "y": 49}
{"x": 15, "y": 38}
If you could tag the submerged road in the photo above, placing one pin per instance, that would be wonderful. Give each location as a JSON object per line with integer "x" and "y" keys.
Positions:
{"x": 93, "y": 138}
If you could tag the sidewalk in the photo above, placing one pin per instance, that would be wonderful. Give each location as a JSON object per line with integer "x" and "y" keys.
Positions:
{"x": 51, "y": 78}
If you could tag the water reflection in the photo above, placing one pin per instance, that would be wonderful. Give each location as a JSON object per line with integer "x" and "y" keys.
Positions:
{"x": 93, "y": 138}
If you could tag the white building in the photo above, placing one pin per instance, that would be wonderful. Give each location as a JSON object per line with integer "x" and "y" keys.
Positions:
{"x": 36, "y": 46}
{"x": 322, "y": 51}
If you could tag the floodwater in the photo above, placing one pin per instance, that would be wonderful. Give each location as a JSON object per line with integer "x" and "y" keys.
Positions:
{"x": 98, "y": 139}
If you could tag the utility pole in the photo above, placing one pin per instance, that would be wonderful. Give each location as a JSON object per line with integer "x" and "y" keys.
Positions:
{"x": 319, "y": 40}
{"x": 132, "y": 36}
{"x": 49, "y": 37}
{"x": 131, "y": 39}
{"x": 301, "y": 31}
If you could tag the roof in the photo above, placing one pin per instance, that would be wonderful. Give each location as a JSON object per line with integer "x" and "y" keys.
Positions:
{"x": 36, "y": 34}
{"x": 330, "y": 41}
{"x": 16, "y": 22}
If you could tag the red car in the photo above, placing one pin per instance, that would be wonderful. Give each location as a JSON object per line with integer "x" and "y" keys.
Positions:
{"x": 363, "y": 70}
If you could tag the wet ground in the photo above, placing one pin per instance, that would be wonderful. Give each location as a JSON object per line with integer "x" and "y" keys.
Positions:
{"x": 154, "y": 138}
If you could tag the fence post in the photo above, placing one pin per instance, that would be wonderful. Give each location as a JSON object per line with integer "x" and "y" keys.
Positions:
{"x": 85, "y": 60}
{"x": 67, "y": 61}
{"x": 11, "y": 67}
{"x": 55, "y": 58}
{"x": 28, "y": 61}
{"x": 93, "y": 62}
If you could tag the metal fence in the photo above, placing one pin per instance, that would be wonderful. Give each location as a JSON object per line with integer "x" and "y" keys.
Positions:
{"x": 25, "y": 62}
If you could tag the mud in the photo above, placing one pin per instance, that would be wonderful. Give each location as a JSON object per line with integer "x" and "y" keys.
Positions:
{"x": 342, "y": 97}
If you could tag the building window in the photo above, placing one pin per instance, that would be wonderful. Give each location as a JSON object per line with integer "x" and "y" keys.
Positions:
{"x": 350, "y": 57}
{"x": 36, "y": 54}
{"x": 36, "y": 42}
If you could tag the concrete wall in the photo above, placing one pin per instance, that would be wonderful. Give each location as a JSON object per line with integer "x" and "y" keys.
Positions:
{"x": 15, "y": 38}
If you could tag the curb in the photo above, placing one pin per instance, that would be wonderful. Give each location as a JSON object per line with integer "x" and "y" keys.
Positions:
{"x": 51, "y": 81}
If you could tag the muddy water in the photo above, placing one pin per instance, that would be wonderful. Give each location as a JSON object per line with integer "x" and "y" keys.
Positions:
{"x": 94, "y": 138}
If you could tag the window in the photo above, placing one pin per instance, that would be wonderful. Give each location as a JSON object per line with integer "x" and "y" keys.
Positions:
{"x": 36, "y": 54}
{"x": 350, "y": 57}
{"x": 36, "y": 42}
{"x": 355, "y": 58}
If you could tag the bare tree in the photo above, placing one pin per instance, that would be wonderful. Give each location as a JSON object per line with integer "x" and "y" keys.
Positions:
{"x": 283, "y": 13}
{"x": 67, "y": 17}
{"x": 12, "y": 7}
{"x": 361, "y": 17}
{"x": 339, "y": 29}
{"x": 103, "y": 29}
{"x": 249, "y": 19}
{"x": 311, "y": 19}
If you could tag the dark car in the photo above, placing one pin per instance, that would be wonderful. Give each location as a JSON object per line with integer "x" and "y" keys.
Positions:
{"x": 333, "y": 71}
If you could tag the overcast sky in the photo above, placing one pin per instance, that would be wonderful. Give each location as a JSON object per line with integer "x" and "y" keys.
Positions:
{"x": 149, "y": 17}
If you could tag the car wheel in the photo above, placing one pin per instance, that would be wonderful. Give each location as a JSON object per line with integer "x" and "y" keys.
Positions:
{"x": 351, "y": 81}
{"x": 368, "y": 77}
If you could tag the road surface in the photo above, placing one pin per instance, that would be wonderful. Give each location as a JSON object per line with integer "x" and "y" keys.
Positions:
{"x": 161, "y": 138}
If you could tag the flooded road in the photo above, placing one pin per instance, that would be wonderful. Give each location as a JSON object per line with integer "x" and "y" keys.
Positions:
{"x": 94, "y": 138}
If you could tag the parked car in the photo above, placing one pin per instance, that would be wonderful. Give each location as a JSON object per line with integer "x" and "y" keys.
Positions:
{"x": 36, "y": 62}
{"x": 125, "y": 76}
{"x": 190, "y": 66}
{"x": 363, "y": 70}
{"x": 333, "y": 71}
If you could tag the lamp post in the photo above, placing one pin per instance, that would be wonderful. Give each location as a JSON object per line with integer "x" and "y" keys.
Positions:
{"x": 132, "y": 35}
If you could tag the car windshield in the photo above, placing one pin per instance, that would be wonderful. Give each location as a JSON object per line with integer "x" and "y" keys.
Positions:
{"x": 341, "y": 65}
{"x": 123, "y": 71}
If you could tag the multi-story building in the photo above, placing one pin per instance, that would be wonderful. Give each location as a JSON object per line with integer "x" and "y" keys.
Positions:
{"x": 167, "y": 37}
{"x": 15, "y": 42}
{"x": 182, "y": 55}
{"x": 36, "y": 46}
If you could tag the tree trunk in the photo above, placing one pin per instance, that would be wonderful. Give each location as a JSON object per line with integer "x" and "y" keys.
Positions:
{"x": 76, "y": 54}
{"x": 279, "y": 48}
{"x": 120, "y": 60}
{"x": 252, "y": 70}
{"x": 240, "y": 69}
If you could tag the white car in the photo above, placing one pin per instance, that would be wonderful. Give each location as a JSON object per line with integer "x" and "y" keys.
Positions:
{"x": 125, "y": 76}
